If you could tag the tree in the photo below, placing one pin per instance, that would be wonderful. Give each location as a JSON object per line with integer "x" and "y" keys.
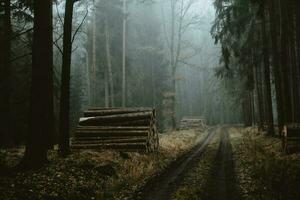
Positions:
{"x": 64, "y": 126}
{"x": 124, "y": 54}
{"x": 180, "y": 23}
{"x": 5, "y": 68}
{"x": 41, "y": 114}
{"x": 108, "y": 72}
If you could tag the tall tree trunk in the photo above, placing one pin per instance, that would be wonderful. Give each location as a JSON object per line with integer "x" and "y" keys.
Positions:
{"x": 124, "y": 55}
{"x": 109, "y": 65}
{"x": 267, "y": 81}
{"x": 172, "y": 62}
{"x": 94, "y": 60}
{"x": 274, "y": 30}
{"x": 285, "y": 65}
{"x": 5, "y": 68}
{"x": 41, "y": 116}
{"x": 106, "y": 89}
{"x": 64, "y": 125}
{"x": 293, "y": 60}
{"x": 297, "y": 16}
{"x": 258, "y": 84}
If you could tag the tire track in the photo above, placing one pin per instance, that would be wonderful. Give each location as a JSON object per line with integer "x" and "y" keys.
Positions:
{"x": 163, "y": 186}
{"x": 222, "y": 183}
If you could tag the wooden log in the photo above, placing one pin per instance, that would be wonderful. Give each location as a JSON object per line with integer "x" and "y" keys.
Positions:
{"x": 93, "y": 113}
{"x": 84, "y": 138}
{"x": 110, "y": 128}
{"x": 111, "y": 146}
{"x": 99, "y": 133}
{"x": 111, "y": 119}
{"x": 110, "y": 140}
{"x": 134, "y": 123}
{"x": 120, "y": 108}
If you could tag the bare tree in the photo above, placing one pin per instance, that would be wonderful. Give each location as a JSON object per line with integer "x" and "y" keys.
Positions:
{"x": 180, "y": 24}
{"x": 124, "y": 54}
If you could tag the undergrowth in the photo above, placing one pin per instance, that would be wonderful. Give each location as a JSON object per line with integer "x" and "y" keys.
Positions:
{"x": 263, "y": 170}
{"x": 91, "y": 174}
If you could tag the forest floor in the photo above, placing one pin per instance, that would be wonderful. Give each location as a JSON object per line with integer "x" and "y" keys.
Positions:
{"x": 236, "y": 163}
{"x": 224, "y": 162}
{"x": 90, "y": 174}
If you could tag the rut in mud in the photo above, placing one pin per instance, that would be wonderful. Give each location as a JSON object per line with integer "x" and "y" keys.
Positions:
{"x": 163, "y": 186}
{"x": 221, "y": 184}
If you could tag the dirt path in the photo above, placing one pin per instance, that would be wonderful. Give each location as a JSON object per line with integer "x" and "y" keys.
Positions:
{"x": 222, "y": 183}
{"x": 164, "y": 185}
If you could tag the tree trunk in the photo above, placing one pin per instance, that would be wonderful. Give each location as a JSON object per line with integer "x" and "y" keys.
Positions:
{"x": 109, "y": 65}
{"x": 94, "y": 60}
{"x": 106, "y": 89}
{"x": 64, "y": 125}
{"x": 172, "y": 51}
{"x": 267, "y": 82}
{"x": 124, "y": 55}
{"x": 258, "y": 84}
{"x": 274, "y": 30}
{"x": 285, "y": 65}
{"x": 41, "y": 115}
{"x": 5, "y": 68}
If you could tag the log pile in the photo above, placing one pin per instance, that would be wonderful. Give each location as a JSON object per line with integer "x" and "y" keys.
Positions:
{"x": 291, "y": 138}
{"x": 123, "y": 129}
{"x": 193, "y": 122}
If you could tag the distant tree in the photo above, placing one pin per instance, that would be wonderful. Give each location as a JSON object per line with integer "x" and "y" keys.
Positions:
{"x": 41, "y": 114}
{"x": 180, "y": 24}
{"x": 124, "y": 54}
{"x": 5, "y": 71}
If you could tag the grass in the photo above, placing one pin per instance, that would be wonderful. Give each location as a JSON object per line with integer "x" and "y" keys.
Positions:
{"x": 264, "y": 172}
{"x": 90, "y": 174}
{"x": 193, "y": 184}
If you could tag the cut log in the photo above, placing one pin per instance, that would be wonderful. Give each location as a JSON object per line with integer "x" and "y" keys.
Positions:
{"x": 122, "y": 108}
{"x": 140, "y": 146}
{"x": 93, "y": 113}
{"x": 145, "y": 122}
{"x": 110, "y": 140}
{"x": 100, "y": 133}
{"x": 113, "y": 128}
{"x": 111, "y": 119}
{"x": 123, "y": 129}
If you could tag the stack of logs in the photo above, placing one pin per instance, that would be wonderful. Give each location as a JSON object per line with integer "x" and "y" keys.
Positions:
{"x": 123, "y": 129}
{"x": 193, "y": 122}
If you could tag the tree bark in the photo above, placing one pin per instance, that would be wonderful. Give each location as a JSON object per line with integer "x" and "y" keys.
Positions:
{"x": 5, "y": 68}
{"x": 267, "y": 81}
{"x": 285, "y": 65}
{"x": 94, "y": 60}
{"x": 274, "y": 30}
{"x": 41, "y": 115}
{"x": 64, "y": 125}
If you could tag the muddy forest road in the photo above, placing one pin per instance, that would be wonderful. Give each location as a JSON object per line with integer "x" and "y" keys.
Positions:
{"x": 221, "y": 183}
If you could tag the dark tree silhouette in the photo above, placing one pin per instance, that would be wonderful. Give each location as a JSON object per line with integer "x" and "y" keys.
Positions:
{"x": 41, "y": 113}
{"x": 64, "y": 126}
{"x": 5, "y": 68}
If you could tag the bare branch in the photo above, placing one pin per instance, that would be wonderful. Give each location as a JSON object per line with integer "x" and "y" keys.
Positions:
{"x": 19, "y": 57}
{"x": 20, "y": 34}
{"x": 80, "y": 25}
{"x": 58, "y": 47}
{"x": 57, "y": 11}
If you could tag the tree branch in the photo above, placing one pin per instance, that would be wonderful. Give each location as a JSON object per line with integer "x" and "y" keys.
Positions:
{"x": 80, "y": 25}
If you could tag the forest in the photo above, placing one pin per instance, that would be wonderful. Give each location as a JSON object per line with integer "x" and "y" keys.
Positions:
{"x": 149, "y": 99}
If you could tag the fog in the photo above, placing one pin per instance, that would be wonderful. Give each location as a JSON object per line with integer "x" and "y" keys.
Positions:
{"x": 169, "y": 51}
